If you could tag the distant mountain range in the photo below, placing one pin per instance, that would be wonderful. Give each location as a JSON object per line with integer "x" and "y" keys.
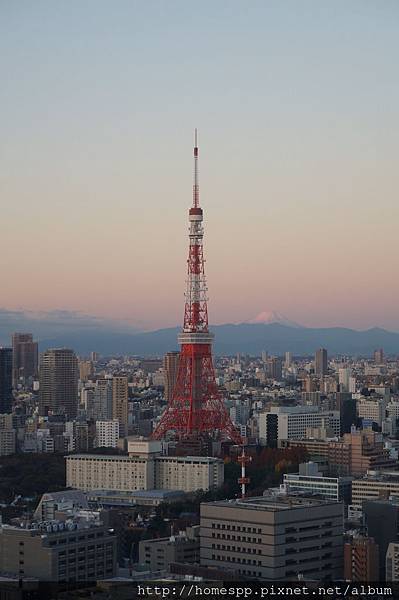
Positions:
{"x": 85, "y": 333}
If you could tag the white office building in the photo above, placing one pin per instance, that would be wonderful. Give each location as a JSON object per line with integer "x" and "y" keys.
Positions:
{"x": 310, "y": 481}
{"x": 292, "y": 422}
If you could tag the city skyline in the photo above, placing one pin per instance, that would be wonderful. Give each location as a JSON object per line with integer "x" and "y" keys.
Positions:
{"x": 297, "y": 172}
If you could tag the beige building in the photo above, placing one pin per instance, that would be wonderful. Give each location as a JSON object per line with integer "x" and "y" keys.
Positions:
{"x": 188, "y": 473}
{"x": 147, "y": 472}
{"x": 375, "y": 486}
{"x": 120, "y": 398}
{"x": 58, "y": 552}
{"x": 170, "y": 368}
{"x": 103, "y": 472}
{"x": 274, "y": 538}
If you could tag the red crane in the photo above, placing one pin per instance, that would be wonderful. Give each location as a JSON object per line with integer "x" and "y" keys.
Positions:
{"x": 197, "y": 406}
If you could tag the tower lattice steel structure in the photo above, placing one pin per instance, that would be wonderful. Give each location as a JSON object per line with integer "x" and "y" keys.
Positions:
{"x": 196, "y": 407}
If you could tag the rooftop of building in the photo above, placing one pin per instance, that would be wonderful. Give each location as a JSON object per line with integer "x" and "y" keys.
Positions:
{"x": 273, "y": 503}
{"x": 392, "y": 476}
{"x": 137, "y": 493}
{"x": 53, "y": 527}
{"x": 123, "y": 457}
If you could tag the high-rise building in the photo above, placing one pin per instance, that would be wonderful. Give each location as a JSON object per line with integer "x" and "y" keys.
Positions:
{"x": 347, "y": 410}
{"x": 321, "y": 362}
{"x": 25, "y": 358}
{"x": 361, "y": 559}
{"x": 58, "y": 377}
{"x": 5, "y": 380}
{"x": 379, "y": 356}
{"x": 274, "y": 368}
{"x": 99, "y": 401}
{"x": 288, "y": 360}
{"x": 344, "y": 377}
{"x": 85, "y": 369}
{"x": 120, "y": 402}
{"x": 170, "y": 368}
{"x": 273, "y": 538}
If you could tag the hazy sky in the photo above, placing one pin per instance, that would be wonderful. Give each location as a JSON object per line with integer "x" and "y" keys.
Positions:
{"x": 297, "y": 108}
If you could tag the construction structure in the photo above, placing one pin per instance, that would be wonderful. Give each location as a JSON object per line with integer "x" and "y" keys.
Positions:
{"x": 196, "y": 410}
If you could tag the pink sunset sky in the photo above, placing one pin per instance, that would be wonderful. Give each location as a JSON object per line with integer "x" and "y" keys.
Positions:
{"x": 297, "y": 111}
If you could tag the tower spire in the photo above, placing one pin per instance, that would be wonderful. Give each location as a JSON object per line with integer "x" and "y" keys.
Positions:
{"x": 196, "y": 407}
{"x": 196, "y": 180}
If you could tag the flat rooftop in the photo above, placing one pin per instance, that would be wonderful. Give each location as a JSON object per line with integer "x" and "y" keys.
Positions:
{"x": 273, "y": 504}
{"x": 137, "y": 493}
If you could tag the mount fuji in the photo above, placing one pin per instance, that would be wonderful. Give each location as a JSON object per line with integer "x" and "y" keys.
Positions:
{"x": 267, "y": 317}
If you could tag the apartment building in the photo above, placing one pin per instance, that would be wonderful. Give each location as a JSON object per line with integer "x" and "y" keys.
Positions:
{"x": 361, "y": 559}
{"x": 107, "y": 433}
{"x": 273, "y": 538}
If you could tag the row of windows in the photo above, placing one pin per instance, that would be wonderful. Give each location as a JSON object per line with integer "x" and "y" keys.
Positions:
{"x": 236, "y": 549}
{"x": 239, "y": 538}
{"x": 236, "y": 528}
{"x": 243, "y": 561}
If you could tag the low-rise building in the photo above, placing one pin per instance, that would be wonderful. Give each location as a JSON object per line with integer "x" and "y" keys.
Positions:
{"x": 310, "y": 480}
{"x": 157, "y": 554}
{"x": 375, "y": 485}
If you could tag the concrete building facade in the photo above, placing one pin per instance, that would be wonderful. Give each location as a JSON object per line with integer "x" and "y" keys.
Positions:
{"x": 98, "y": 472}
{"x": 58, "y": 552}
{"x": 275, "y": 539}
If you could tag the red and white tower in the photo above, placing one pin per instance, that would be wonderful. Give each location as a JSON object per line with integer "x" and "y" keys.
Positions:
{"x": 196, "y": 407}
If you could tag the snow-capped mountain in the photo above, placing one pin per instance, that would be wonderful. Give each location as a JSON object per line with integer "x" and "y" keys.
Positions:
{"x": 267, "y": 317}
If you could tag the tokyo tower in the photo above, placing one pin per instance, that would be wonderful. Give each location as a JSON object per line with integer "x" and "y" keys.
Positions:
{"x": 196, "y": 408}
